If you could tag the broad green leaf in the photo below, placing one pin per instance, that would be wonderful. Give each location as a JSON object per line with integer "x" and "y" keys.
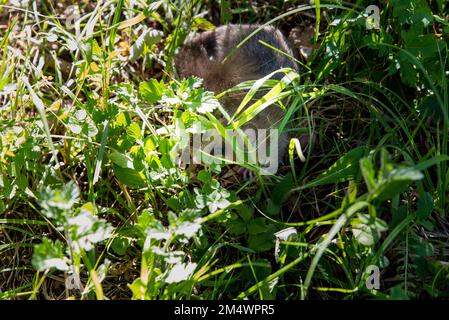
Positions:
{"x": 134, "y": 131}
{"x": 425, "y": 205}
{"x": 237, "y": 227}
{"x": 261, "y": 242}
{"x": 281, "y": 191}
{"x": 398, "y": 293}
{"x": 121, "y": 160}
{"x": 366, "y": 166}
{"x": 151, "y": 91}
{"x": 139, "y": 289}
{"x": 129, "y": 177}
{"x": 204, "y": 176}
{"x": 407, "y": 70}
{"x": 246, "y": 212}
{"x": 395, "y": 183}
{"x": 202, "y": 24}
{"x": 367, "y": 229}
{"x": 257, "y": 226}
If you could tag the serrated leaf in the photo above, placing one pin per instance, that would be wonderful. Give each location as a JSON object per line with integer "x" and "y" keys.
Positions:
{"x": 86, "y": 229}
{"x": 180, "y": 272}
{"x": 202, "y": 101}
{"x": 246, "y": 212}
{"x": 56, "y": 203}
{"x": 49, "y": 255}
{"x": 151, "y": 91}
{"x": 188, "y": 229}
{"x": 134, "y": 132}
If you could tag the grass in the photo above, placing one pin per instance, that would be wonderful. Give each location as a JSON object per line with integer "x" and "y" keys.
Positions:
{"x": 93, "y": 204}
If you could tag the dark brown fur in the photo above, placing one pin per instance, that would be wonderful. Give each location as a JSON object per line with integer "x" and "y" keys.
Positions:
{"x": 215, "y": 56}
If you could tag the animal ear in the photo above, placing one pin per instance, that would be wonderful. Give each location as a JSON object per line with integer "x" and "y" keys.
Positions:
{"x": 192, "y": 60}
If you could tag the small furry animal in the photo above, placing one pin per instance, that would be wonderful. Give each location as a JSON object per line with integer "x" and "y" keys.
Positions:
{"x": 216, "y": 57}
